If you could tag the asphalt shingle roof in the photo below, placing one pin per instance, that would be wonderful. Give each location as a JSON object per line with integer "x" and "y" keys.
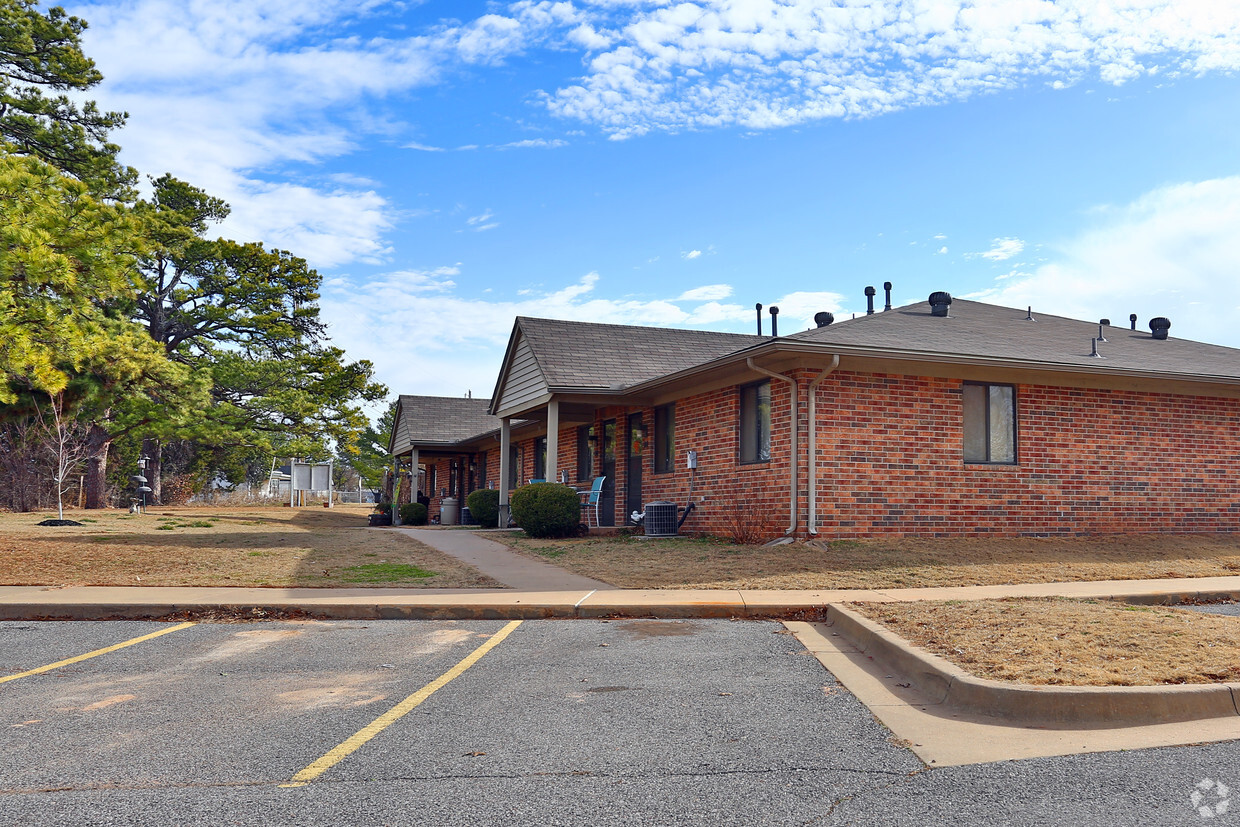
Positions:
{"x": 986, "y": 331}
{"x": 446, "y": 419}
{"x": 590, "y": 355}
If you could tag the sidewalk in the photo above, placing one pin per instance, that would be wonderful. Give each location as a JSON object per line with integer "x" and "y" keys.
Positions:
{"x": 145, "y": 602}
{"x": 500, "y": 562}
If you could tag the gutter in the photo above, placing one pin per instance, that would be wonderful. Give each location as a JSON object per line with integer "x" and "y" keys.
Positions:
{"x": 812, "y": 519}
{"x": 795, "y": 415}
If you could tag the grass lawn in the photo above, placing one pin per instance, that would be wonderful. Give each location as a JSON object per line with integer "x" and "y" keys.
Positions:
{"x": 225, "y": 546}
{"x": 683, "y": 563}
{"x": 1070, "y": 642}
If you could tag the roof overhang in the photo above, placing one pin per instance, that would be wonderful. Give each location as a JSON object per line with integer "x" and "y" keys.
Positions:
{"x": 578, "y": 403}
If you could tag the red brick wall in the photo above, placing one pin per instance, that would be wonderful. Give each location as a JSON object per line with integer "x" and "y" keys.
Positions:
{"x": 889, "y": 462}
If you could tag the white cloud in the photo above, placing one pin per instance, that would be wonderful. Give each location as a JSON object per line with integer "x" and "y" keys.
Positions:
{"x": 707, "y": 292}
{"x": 481, "y": 223}
{"x": 423, "y": 147}
{"x": 942, "y": 251}
{"x": 384, "y": 320}
{"x": 222, "y": 93}
{"x": 771, "y": 63}
{"x": 692, "y": 254}
{"x": 1001, "y": 249}
{"x": 1172, "y": 253}
{"x": 535, "y": 143}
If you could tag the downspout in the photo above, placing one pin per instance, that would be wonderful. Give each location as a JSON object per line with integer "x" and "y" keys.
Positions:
{"x": 813, "y": 434}
{"x": 792, "y": 510}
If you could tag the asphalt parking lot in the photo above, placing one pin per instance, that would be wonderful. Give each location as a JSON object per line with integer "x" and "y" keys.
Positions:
{"x": 559, "y": 722}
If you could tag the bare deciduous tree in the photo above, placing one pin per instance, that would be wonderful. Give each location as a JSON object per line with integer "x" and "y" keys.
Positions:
{"x": 64, "y": 441}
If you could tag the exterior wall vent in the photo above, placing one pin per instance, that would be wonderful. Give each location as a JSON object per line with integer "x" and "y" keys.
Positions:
{"x": 939, "y": 302}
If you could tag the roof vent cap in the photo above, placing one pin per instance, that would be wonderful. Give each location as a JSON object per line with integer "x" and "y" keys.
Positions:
{"x": 823, "y": 318}
{"x": 939, "y": 302}
{"x": 1159, "y": 327}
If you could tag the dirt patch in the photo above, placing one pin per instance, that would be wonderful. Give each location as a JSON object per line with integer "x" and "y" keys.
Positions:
{"x": 203, "y": 546}
{"x": 1057, "y": 641}
{"x": 709, "y": 563}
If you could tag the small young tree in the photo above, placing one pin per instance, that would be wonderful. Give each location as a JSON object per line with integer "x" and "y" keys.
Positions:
{"x": 64, "y": 442}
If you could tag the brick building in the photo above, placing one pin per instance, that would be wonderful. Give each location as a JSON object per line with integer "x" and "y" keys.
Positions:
{"x": 985, "y": 420}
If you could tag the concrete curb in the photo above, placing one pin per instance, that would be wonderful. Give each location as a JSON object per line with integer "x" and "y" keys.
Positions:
{"x": 400, "y": 610}
{"x": 951, "y": 686}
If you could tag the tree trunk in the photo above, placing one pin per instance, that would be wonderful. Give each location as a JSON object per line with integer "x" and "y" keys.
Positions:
{"x": 98, "y": 441}
{"x": 151, "y": 449}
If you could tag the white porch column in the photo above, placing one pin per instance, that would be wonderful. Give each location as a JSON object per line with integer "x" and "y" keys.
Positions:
{"x": 553, "y": 440}
{"x": 413, "y": 476}
{"x": 395, "y": 491}
{"x": 505, "y": 468}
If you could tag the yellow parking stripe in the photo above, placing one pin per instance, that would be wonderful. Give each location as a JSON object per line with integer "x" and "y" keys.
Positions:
{"x": 95, "y": 653}
{"x": 353, "y": 743}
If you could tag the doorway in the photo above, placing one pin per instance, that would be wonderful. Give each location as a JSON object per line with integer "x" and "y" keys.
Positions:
{"x": 607, "y": 499}
{"x": 635, "y": 448}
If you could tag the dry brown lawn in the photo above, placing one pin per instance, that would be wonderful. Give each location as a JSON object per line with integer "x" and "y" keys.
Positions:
{"x": 227, "y": 546}
{"x": 684, "y": 563}
{"x": 1070, "y": 642}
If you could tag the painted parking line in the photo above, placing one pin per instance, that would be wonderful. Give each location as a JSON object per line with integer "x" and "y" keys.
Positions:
{"x": 105, "y": 650}
{"x": 357, "y": 740}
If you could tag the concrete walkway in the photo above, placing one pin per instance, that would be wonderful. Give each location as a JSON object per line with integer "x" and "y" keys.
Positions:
{"x": 502, "y": 563}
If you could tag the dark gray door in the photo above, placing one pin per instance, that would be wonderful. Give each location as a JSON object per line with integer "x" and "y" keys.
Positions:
{"x": 635, "y": 448}
{"x": 607, "y": 501}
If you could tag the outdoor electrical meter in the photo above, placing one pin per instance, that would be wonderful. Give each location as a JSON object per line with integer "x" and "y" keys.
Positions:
{"x": 691, "y": 460}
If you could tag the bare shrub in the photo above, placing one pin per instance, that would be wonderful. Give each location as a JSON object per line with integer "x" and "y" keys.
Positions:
{"x": 748, "y": 517}
{"x": 178, "y": 489}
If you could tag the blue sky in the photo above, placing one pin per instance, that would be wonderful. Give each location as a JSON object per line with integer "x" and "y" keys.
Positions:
{"x": 447, "y": 165}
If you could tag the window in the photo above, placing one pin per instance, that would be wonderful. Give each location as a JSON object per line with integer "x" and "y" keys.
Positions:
{"x": 664, "y": 439}
{"x": 585, "y": 452}
{"x": 756, "y": 422}
{"x": 540, "y": 458}
{"x": 989, "y": 423}
{"x": 514, "y": 466}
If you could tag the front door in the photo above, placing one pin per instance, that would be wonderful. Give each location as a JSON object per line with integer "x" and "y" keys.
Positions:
{"x": 635, "y": 446}
{"x": 607, "y": 500}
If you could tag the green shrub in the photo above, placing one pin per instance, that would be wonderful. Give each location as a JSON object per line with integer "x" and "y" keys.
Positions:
{"x": 546, "y": 509}
{"x": 484, "y": 507}
{"x": 383, "y": 508}
{"x": 413, "y": 514}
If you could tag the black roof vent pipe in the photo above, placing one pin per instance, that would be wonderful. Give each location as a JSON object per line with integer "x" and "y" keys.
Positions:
{"x": 939, "y": 302}
{"x": 1159, "y": 327}
{"x": 1132, "y": 320}
{"x": 887, "y": 290}
{"x": 758, "y": 307}
{"x": 774, "y": 320}
{"x": 823, "y": 318}
{"x": 869, "y": 301}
